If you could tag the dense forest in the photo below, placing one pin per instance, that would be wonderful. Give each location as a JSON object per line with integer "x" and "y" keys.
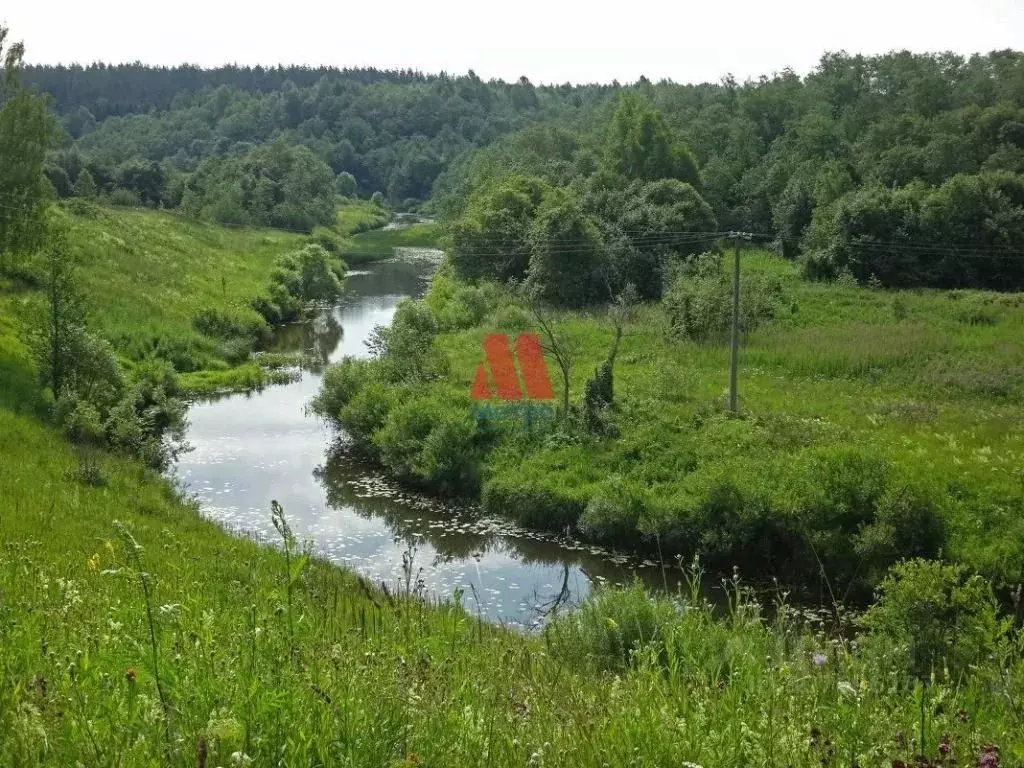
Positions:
{"x": 849, "y": 165}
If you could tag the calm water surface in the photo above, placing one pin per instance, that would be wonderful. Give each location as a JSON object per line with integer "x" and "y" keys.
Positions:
{"x": 251, "y": 448}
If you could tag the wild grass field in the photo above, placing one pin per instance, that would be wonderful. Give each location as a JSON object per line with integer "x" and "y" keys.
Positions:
{"x": 378, "y": 243}
{"x": 930, "y": 382}
{"x": 133, "y": 633}
{"x": 873, "y": 425}
{"x": 148, "y": 275}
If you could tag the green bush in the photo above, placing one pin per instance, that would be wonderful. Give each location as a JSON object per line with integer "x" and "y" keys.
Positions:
{"x": 127, "y": 198}
{"x": 340, "y": 384}
{"x": 513, "y": 318}
{"x": 531, "y": 503}
{"x": 698, "y": 299}
{"x": 940, "y": 615}
{"x": 406, "y": 350}
{"x": 457, "y": 305}
{"x": 327, "y": 239}
{"x": 613, "y": 515}
{"x": 310, "y": 274}
{"x": 431, "y": 440}
{"x": 366, "y": 412}
{"x": 227, "y": 323}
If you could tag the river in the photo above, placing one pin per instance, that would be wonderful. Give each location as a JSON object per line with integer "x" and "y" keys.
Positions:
{"x": 250, "y": 448}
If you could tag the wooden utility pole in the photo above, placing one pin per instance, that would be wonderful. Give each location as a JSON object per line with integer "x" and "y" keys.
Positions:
{"x": 735, "y": 341}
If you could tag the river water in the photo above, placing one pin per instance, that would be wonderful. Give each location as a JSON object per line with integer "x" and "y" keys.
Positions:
{"x": 248, "y": 449}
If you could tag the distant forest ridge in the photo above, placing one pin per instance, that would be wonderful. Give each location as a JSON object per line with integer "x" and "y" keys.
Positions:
{"x": 136, "y": 87}
{"x": 863, "y": 150}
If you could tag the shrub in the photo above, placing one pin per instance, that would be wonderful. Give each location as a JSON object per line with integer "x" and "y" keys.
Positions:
{"x": 127, "y": 198}
{"x": 698, "y": 299}
{"x": 327, "y": 239}
{"x": 310, "y": 274}
{"x": 531, "y": 503}
{"x": 456, "y": 305}
{"x": 612, "y": 516}
{"x": 340, "y": 384}
{"x": 406, "y": 349}
{"x": 430, "y": 440}
{"x": 227, "y": 323}
{"x": 79, "y": 420}
{"x": 940, "y": 614}
{"x": 367, "y": 411}
{"x": 513, "y": 318}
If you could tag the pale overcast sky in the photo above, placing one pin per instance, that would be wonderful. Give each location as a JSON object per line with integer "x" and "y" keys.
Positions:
{"x": 546, "y": 40}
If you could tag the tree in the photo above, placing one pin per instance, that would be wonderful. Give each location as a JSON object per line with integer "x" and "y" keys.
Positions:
{"x": 556, "y": 342}
{"x": 55, "y": 340}
{"x": 641, "y": 145}
{"x": 26, "y": 131}
{"x": 648, "y": 225}
{"x": 491, "y": 240}
{"x": 567, "y": 256}
{"x": 377, "y": 198}
{"x": 345, "y": 183}
{"x": 144, "y": 178}
{"x": 85, "y": 186}
{"x": 310, "y": 274}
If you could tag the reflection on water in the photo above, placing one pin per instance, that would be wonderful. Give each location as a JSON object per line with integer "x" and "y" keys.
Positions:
{"x": 251, "y": 448}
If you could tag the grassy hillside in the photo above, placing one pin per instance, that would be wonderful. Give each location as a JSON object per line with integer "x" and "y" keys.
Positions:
{"x": 147, "y": 275}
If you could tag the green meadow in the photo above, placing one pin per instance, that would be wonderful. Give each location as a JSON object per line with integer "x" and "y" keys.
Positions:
{"x": 147, "y": 275}
{"x": 134, "y": 633}
{"x": 873, "y": 425}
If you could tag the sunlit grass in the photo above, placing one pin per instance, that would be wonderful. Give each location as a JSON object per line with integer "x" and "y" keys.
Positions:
{"x": 913, "y": 376}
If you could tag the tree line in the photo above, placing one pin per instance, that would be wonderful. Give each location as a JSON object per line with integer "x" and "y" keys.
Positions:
{"x": 863, "y": 154}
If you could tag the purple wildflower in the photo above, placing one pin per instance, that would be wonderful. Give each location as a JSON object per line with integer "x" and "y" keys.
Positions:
{"x": 989, "y": 757}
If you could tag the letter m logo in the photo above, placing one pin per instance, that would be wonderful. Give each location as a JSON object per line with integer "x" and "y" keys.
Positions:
{"x": 498, "y": 356}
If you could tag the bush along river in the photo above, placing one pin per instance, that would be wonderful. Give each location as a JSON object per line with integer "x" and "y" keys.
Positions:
{"x": 249, "y": 448}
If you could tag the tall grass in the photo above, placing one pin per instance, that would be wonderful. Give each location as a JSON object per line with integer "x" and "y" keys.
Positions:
{"x": 162, "y": 640}
{"x": 927, "y": 382}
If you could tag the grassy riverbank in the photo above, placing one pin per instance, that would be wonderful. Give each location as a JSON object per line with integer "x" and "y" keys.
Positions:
{"x": 133, "y": 633}
{"x": 874, "y": 425}
{"x": 223, "y": 651}
{"x": 148, "y": 275}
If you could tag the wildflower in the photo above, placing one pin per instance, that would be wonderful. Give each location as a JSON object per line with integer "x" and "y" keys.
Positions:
{"x": 130, "y": 675}
{"x": 240, "y": 759}
{"x": 962, "y": 715}
{"x": 94, "y": 562}
{"x": 819, "y": 659}
{"x": 989, "y": 757}
{"x": 944, "y": 745}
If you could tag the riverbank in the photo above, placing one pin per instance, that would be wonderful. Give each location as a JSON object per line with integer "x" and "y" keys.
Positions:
{"x": 135, "y": 633}
{"x": 227, "y": 652}
{"x": 149, "y": 277}
{"x": 874, "y": 425}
